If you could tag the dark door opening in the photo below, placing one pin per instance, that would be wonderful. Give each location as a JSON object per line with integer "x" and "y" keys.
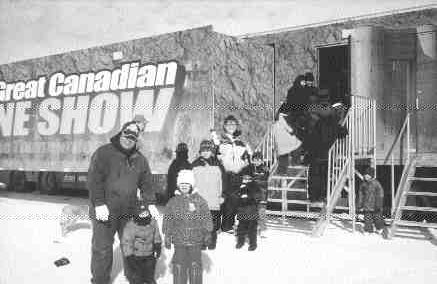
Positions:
{"x": 334, "y": 72}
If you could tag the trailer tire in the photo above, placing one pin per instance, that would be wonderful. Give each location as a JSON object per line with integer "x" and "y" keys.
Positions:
{"x": 48, "y": 183}
{"x": 17, "y": 181}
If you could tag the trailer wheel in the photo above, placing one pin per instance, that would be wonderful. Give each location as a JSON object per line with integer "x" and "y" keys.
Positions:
{"x": 17, "y": 181}
{"x": 48, "y": 183}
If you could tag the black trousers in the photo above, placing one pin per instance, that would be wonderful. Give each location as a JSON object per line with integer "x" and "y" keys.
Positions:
{"x": 216, "y": 221}
{"x": 102, "y": 242}
{"x": 373, "y": 219}
{"x": 318, "y": 178}
{"x": 143, "y": 270}
{"x": 247, "y": 228}
{"x": 187, "y": 264}
{"x": 229, "y": 207}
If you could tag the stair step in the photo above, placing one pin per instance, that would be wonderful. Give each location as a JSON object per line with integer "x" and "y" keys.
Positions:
{"x": 287, "y": 189}
{"x": 288, "y": 177}
{"x": 422, "y": 178}
{"x": 289, "y": 201}
{"x": 422, "y": 193}
{"x": 302, "y": 214}
{"x": 416, "y": 208}
{"x": 416, "y": 224}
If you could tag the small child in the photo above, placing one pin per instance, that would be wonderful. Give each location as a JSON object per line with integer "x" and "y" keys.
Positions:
{"x": 260, "y": 173}
{"x": 187, "y": 224}
{"x": 210, "y": 179}
{"x": 141, "y": 246}
{"x": 247, "y": 212}
{"x": 371, "y": 197}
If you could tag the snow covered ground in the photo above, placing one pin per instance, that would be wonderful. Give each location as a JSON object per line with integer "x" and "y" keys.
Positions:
{"x": 30, "y": 242}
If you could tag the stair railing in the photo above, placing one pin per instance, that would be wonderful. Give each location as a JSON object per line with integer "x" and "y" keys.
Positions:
{"x": 267, "y": 147}
{"x": 360, "y": 142}
{"x": 401, "y": 148}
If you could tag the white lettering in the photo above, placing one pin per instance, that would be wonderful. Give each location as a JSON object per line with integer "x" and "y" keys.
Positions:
{"x": 146, "y": 76}
{"x": 103, "y": 80}
{"x": 54, "y": 89}
{"x": 71, "y": 84}
{"x": 18, "y": 93}
{"x": 51, "y": 124}
{"x": 119, "y": 78}
{"x": 166, "y": 74}
{"x": 74, "y": 113}
{"x": 6, "y": 118}
{"x": 86, "y": 83}
{"x": 103, "y": 113}
{"x": 41, "y": 86}
{"x": 133, "y": 75}
{"x": 21, "y": 117}
{"x": 143, "y": 105}
{"x": 160, "y": 110}
{"x": 31, "y": 90}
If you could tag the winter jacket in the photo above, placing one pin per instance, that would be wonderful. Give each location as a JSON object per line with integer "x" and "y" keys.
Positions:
{"x": 114, "y": 176}
{"x": 187, "y": 220}
{"x": 249, "y": 197}
{"x": 139, "y": 240}
{"x": 234, "y": 153}
{"x": 180, "y": 163}
{"x": 371, "y": 196}
{"x": 210, "y": 180}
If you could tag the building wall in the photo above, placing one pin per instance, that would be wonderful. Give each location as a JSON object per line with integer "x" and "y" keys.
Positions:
{"x": 386, "y": 53}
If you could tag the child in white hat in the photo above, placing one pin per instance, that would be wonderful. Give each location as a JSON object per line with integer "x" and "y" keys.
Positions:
{"x": 187, "y": 225}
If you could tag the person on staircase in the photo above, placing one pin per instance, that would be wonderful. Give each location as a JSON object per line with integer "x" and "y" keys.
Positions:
{"x": 260, "y": 172}
{"x": 290, "y": 127}
{"x": 325, "y": 132}
{"x": 370, "y": 202}
{"x": 234, "y": 154}
{"x": 180, "y": 163}
{"x": 209, "y": 175}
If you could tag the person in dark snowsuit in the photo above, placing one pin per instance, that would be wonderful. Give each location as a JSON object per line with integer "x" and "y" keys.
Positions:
{"x": 180, "y": 163}
{"x": 116, "y": 171}
{"x": 141, "y": 247}
{"x": 370, "y": 201}
{"x": 320, "y": 139}
{"x": 294, "y": 111}
{"x": 247, "y": 212}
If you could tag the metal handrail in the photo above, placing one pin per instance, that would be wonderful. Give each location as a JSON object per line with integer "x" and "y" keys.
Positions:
{"x": 403, "y": 133}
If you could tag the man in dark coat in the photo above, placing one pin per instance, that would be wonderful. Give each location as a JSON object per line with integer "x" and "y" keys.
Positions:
{"x": 116, "y": 171}
{"x": 180, "y": 163}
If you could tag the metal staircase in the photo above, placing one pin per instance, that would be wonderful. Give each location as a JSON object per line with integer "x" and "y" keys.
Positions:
{"x": 291, "y": 190}
{"x": 416, "y": 182}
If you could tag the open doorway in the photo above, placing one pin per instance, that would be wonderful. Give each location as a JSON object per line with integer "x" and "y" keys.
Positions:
{"x": 334, "y": 72}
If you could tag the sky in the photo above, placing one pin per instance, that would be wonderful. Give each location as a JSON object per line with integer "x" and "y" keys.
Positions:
{"x": 35, "y": 28}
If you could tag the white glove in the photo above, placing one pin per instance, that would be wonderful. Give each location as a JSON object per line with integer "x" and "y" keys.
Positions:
{"x": 102, "y": 213}
{"x": 221, "y": 200}
{"x": 153, "y": 211}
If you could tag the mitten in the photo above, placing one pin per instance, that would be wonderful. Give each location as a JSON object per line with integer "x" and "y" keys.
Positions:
{"x": 102, "y": 213}
{"x": 207, "y": 240}
{"x": 167, "y": 242}
{"x": 157, "y": 250}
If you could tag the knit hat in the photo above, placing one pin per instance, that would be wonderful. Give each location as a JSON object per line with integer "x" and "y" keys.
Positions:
{"x": 182, "y": 147}
{"x": 309, "y": 76}
{"x": 130, "y": 131}
{"x": 230, "y": 118}
{"x": 185, "y": 176}
{"x": 369, "y": 171}
{"x": 206, "y": 145}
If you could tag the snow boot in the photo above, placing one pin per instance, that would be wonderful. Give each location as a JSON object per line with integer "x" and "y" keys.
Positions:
{"x": 195, "y": 273}
{"x": 179, "y": 274}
